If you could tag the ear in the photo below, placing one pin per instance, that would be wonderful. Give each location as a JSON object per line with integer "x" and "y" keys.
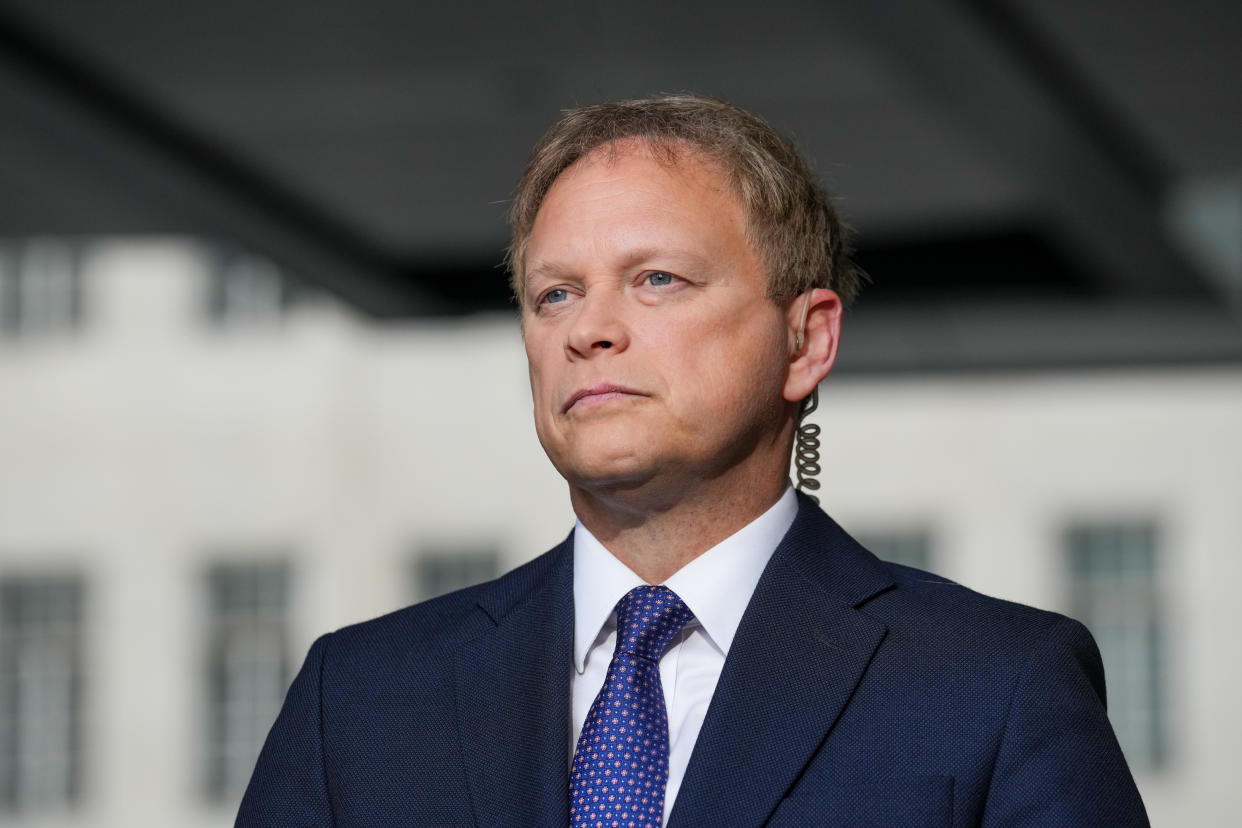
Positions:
{"x": 813, "y": 357}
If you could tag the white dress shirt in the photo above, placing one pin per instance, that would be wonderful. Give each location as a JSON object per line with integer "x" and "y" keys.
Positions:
{"x": 716, "y": 586}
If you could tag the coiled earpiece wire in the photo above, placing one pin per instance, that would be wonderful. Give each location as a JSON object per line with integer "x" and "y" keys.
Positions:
{"x": 806, "y": 435}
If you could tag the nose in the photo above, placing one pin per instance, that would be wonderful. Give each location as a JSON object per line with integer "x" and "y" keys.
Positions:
{"x": 597, "y": 327}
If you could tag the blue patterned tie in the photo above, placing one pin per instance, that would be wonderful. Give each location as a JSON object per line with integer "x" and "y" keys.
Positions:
{"x": 621, "y": 764}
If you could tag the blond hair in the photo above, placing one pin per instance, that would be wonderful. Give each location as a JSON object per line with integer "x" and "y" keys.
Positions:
{"x": 791, "y": 221}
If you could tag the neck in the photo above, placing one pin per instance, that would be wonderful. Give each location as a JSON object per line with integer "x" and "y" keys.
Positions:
{"x": 655, "y": 537}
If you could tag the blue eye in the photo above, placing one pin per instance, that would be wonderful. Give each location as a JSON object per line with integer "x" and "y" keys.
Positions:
{"x": 660, "y": 278}
{"x": 553, "y": 296}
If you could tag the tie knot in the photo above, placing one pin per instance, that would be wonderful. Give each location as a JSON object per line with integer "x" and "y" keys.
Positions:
{"x": 648, "y": 619}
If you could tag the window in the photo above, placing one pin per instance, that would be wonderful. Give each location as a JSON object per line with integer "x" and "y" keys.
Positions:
{"x": 439, "y": 571}
{"x": 1115, "y": 590}
{"x": 247, "y": 291}
{"x": 247, "y": 669}
{"x": 40, "y": 693}
{"x": 911, "y": 548}
{"x": 40, "y": 288}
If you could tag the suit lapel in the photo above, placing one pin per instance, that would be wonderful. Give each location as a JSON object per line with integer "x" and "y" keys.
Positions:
{"x": 513, "y": 702}
{"x": 798, "y": 654}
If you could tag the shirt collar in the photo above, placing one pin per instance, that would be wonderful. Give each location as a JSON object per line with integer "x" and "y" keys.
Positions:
{"x": 716, "y": 585}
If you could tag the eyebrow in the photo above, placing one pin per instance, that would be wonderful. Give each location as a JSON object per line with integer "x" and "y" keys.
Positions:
{"x": 646, "y": 254}
{"x": 632, "y": 258}
{"x": 549, "y": 270}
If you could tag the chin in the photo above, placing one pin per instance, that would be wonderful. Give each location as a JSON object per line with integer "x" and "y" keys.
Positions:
{"x": 607, "y": 471}
{"x": 608, "y": 465}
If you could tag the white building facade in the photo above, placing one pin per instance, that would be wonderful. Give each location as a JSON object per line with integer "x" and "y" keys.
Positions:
{"x": 200, "y": 473}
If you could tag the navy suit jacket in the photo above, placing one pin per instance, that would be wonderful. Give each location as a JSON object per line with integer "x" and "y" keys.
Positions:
{"x": 856, "y": 693}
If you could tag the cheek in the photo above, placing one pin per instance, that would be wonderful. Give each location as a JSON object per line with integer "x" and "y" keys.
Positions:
{"x": 732, "y": 377}
{"x": 540, "y": 393}
{"x": 540, "y": 379}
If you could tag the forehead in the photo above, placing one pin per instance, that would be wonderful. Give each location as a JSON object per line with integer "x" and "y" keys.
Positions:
{"x": 671, "y": 163}
{"x": 628, "y": 191}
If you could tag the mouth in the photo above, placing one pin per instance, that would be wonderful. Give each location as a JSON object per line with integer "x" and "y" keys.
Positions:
{"x": 598, "y": 395}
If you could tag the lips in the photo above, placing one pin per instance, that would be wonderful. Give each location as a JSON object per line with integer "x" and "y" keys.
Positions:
{"x": 598, "y": 394}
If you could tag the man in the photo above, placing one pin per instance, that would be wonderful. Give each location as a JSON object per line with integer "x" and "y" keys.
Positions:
{"x": 707, "y": 648}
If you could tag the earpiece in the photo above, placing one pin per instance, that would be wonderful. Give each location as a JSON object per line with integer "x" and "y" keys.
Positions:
{"x": 806, "y": 309}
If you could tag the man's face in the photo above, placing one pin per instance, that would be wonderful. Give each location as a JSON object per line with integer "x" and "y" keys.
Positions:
{"x": 655, "y": 355}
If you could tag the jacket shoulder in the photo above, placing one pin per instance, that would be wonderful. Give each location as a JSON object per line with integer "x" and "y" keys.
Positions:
{"x": 440, "y": 625}
{"x": 921, "y": 599}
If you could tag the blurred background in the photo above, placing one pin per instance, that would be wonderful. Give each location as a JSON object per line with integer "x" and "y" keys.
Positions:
{"x": 260, "y": 376}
